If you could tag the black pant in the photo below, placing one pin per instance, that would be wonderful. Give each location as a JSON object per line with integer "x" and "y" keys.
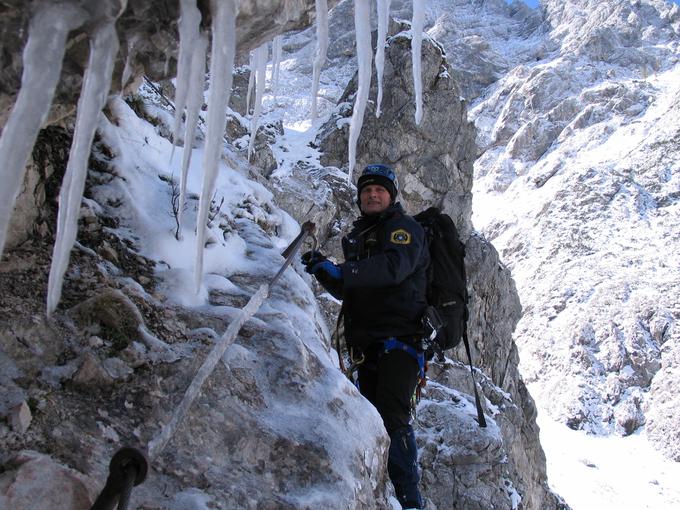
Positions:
{"x": 388, "y": 381}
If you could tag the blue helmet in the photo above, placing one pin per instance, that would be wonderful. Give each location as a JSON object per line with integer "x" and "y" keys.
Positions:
{"x": 379, "y": 174}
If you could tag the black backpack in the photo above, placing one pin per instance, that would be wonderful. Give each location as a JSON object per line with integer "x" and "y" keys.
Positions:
{"x": 446, "y": 280}
{"x": 447, "y": 294}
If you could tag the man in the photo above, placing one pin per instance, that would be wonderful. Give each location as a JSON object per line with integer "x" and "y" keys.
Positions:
{"x": 382, "y": 284}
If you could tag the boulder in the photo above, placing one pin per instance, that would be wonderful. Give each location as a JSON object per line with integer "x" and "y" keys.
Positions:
{"x": 37, "y": 481}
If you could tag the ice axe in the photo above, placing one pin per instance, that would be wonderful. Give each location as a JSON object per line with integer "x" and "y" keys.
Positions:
{"x": 307, "y": 229}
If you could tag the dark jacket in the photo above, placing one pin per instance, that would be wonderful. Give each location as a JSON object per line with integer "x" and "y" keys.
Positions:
{"x": 384, "y": 280}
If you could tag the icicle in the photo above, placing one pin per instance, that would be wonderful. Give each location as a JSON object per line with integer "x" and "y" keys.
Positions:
{"x": 251, "y": 81}
{"x": 417, "y": 26}
{"x": 221, "y": 68}
{"x": 383, "y": 18}
{"x": 321, "y": 49}
{"x": 261, "y": 55}
{"x": 194, "y": 103}
{"x": 277, "y": 47}
{"x": 93, "y": 95}
{"x": 42, "y": 58}
{"x": 362, "y": 27}
{"x": 189, "y": 23}
{"x": 127, "y": 70}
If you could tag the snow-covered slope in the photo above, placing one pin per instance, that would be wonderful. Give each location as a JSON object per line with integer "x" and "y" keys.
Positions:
{"x": 578, "y": 187}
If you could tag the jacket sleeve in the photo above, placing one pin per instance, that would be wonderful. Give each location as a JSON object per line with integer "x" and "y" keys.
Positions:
{"x": 403, "y": 243}
{"x": 334, "y": 287}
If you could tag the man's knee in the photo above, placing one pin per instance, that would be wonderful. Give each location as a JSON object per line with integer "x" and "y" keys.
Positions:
{"x": 402, "y": 466}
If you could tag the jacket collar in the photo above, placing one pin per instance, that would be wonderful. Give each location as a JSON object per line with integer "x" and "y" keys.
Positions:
{"x": 370, "y": 220}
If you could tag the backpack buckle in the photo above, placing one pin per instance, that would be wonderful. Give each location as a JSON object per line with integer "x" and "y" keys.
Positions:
{"x": 432, "y": 323}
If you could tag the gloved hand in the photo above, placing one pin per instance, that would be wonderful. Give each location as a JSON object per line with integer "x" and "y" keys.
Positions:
{"x": 326, "y": 270}
{"x": 312, "y": 258}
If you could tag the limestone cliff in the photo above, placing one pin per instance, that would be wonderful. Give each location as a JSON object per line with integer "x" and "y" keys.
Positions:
{"x": 277, "y": 425}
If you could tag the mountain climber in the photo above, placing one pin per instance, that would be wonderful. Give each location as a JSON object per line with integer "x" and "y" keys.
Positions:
{"x": 382, "y": 284}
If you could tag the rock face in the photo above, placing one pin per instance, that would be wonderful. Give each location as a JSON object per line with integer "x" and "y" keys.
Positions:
{"x": 112, "y": 364}
{"x": 433, "y": 161}
{"x": 584, "y": 212}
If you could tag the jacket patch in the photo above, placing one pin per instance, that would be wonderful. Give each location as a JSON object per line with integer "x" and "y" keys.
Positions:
{"x": 400, "y": 236}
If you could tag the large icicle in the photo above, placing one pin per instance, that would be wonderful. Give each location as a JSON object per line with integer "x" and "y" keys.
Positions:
{"x": 321, "y": 50}
{"x": 93, "y": 95}
{"x": 221, "y": 68}
{"x": 194, "y": 104}
{"x": 42, "y": 58}
{"x": 417, "y": 26}
{"x": 189, "y": 25}
{"x": 362, "y": 27}
{"x": 261, "y": 55}
{"x": 251, "y": 81}
{"x": 383, "y": 18}
{"x": 277, "y": 48}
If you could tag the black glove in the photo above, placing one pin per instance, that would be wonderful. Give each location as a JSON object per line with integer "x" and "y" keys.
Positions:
{"x": 311, "y": 259}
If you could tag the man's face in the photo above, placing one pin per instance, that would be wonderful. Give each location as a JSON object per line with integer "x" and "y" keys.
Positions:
{"x": 374, "y": 199}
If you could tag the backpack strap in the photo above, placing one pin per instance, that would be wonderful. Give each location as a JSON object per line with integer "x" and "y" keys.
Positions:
{"x": 480, "y": 412}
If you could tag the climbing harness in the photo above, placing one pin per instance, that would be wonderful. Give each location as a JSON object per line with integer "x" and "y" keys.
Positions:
{"x": 392, "y": 344}
{"x": 129, "y": 466}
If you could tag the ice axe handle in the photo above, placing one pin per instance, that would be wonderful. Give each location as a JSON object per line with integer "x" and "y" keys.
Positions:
{"x": 307, "y": 228}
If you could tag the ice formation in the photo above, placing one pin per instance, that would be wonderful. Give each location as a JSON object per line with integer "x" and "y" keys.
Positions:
{"x": 261, "y": 55}
{"x": 251, "y": 81}
{"x": 188, "y": 26}
{"x": 194, "y": 104}
{"x": 42, "y": 58}
{"x": 93, "y": 96}
{"x": 277, "y": 49}
{"x": 221, "y": 69}
{"x": 321, "y": 50}
{"x": 362, "y": 26}
{"x": 156, "y": 445}
{"x": 127, "y": 69}
{"x": 383, "y": 18}
{"x": 417, "y": 26}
